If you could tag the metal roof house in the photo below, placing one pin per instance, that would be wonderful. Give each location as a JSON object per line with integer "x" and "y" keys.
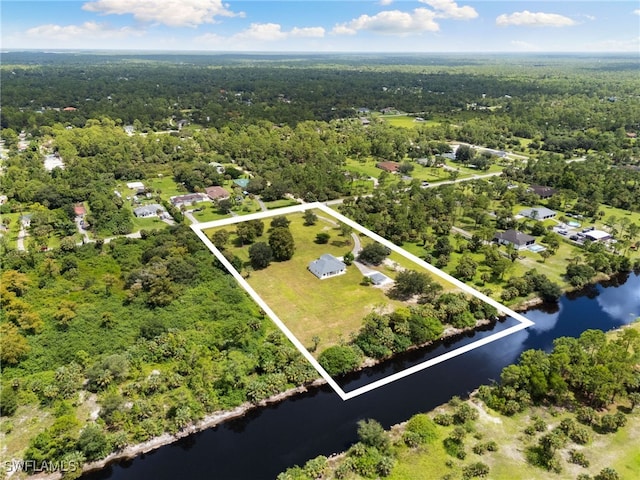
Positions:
{"x": 149, "y": 210}
{"x": 538, "y": 213}
{"x": 327, "y": 266}
{"x": 517, "y": 239}
{"x": 597, "y": 235}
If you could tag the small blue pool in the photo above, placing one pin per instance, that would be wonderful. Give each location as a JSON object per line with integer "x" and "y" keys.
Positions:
{"x": 537, "y": 248}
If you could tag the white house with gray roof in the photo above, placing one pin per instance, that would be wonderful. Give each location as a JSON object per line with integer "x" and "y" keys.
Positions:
{"x": 149, "y": 210}
{"x": 327, "y": 266}
{"x": 538, "y": 213}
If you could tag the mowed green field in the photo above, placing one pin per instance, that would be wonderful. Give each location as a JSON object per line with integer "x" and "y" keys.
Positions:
{"x": 408, "y": 121}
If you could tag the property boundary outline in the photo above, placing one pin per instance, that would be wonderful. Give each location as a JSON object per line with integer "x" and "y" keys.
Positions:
{"x": 523, "y": 322}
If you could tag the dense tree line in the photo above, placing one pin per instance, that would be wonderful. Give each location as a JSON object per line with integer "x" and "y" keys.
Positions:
{"x": 151, "y": 326}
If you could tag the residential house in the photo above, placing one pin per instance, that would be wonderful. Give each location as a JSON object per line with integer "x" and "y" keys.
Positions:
{"x": 538, "y": 213}
{"x": 136, "y": 185}
{"x": 217, "y": 193}
{"x": 543, "y": 191}
{"x": 391, "y": 167}
{"x": 188, "y": 199}
{"x": 517, "y": 239}
{"x": 151, "y": 210}
{"x": 327, "y": 266}
{"x": 597, "y": 235}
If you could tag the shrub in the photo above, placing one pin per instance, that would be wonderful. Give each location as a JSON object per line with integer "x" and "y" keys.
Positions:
{"x": 443, "y": 419}
{"x": 422, "y": 427}
{"x": 475, "y": 470}
{"x": 607, "y": 474}
{"x": 464, "y": 413}
{"x": 578, "y": 458}
{"x": 340, "y": 359}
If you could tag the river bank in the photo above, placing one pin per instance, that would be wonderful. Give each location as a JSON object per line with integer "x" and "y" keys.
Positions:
{"x": 508, "y": 459}
{"x": 209, "y": 421}
{"x": 218, "y": 418}
{"x": 319, "y": 423}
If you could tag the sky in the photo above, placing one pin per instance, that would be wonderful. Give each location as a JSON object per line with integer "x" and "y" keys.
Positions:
{"x": 387, "y": 26}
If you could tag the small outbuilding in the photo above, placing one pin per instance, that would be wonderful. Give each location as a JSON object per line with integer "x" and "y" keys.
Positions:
{"x": 379, "y": 279}
{"x": 327, "y": 266}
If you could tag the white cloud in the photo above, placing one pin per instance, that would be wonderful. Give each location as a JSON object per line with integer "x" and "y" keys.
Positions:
{"x": 88, "y": 30}
{"x": 450, "y": 9}
{"x": 317, "y": 32}
{"x": 173, "y": 13}
{"x": 262, "y": 32}
{"x": 637, "y": 11}
{"x": 391, "y": 22}
{"x": 534, "y": 19}
{"x": 385, "y": 3}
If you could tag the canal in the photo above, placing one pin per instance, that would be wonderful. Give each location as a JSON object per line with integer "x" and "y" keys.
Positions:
{"x": 269, "y": 440}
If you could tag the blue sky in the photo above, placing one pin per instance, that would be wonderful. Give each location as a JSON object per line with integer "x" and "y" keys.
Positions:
{"x": 324, "y": 26}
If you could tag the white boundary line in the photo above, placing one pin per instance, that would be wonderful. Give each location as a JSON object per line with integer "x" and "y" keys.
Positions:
{"x": 523, "y": 321}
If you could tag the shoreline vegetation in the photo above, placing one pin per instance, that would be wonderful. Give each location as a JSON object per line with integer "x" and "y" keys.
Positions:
{"x": 209, "y": 421}
{"x": 508, "y": 443}
{"x": 220, "y": 417}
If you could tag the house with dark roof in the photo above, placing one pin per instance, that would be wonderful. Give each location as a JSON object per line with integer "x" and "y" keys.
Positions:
{"x": 543, "y": 191}
{"x": 391, "y": 167}
{"x": 538, "y": 213}
{"x": 327, "y": 266}
{"x": 217, "y": 193}
{"x": 517, "y": 239}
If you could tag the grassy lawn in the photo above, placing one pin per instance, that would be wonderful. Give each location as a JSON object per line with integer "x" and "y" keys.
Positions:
{"x": 13, "y": 228}
{"x": 367, "y": 167}
{"x": 430, "y": 174}
{"x": 149, "y": 223}
{"x": 332, "y": 308}
{"x": 285, "y": 202}
{"x": 165, "y": 186}
{"x": 408, "y": 121}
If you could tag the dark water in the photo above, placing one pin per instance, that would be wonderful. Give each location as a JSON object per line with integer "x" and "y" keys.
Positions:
{"x": 266, "y": 442}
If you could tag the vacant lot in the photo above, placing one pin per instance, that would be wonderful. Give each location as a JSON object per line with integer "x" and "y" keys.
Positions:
{"x": 332, "y": 308}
